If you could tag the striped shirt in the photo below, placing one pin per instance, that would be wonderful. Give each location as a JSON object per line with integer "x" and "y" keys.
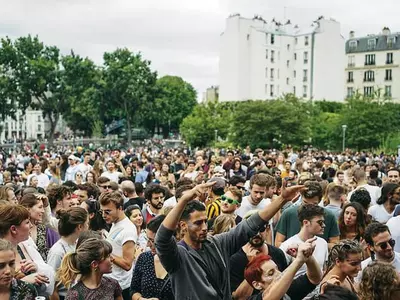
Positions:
{"x": 214, "y": 209}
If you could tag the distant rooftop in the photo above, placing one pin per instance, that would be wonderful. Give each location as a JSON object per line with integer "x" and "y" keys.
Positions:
{"x": 385, "y": 41}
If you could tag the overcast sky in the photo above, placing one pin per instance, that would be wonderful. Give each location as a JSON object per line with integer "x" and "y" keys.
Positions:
{"x": 180, "y": 37}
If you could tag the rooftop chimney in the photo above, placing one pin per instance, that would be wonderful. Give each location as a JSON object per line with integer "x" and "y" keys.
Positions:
{"x": 386, "y": 31}
{"x": 351, "y": 34}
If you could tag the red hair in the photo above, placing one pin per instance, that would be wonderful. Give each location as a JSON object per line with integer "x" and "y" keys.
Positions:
{"x": 253, "y": 270}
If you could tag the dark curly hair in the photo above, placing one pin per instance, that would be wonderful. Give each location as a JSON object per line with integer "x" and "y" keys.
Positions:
{"x": 153, "y": 189}
{"x": 57, "y": 194}
{"x": 361, "y": 196}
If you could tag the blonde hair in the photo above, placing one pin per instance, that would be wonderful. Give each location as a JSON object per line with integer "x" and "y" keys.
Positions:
{"x": 79, "y": 262}
{"x": 224, "y": 223}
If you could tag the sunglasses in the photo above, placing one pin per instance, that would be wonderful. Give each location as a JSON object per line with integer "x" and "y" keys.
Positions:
{"x": 384, "y": 245}
{"x": 229, "y": 200}
{"x": 107, "y": 187}
{"x": 241, "y": 187}
{"x": 320, "y": 222}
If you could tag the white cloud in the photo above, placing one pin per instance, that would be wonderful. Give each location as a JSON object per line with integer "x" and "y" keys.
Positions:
{"x": 180, "y": 37}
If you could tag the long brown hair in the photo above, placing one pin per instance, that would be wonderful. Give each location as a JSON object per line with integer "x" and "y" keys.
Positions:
{"x": 361, "y": 222}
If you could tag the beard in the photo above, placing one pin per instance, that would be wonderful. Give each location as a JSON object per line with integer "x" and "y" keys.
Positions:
{"x": 256, "y": 241}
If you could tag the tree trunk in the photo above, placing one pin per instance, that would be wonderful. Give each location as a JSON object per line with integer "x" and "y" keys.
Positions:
{"x": 53, "y": 118}
{"x": 128, "y": 124}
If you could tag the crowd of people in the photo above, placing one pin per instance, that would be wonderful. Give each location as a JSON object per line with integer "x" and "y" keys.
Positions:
{"x": 207, "y": 224}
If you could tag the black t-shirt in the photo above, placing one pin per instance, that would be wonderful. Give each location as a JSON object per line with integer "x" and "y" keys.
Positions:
{"x": 138, "y": 201}
{"x": 239, "y": 262}
{"x": 299, "y": 288}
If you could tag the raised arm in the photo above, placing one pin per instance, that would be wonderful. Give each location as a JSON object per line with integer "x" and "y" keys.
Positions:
{"x": 282, "y": 284}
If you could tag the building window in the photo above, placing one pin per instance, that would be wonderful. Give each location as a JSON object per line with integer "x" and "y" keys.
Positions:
{"x": 391, "y": 41}
{"x": 353, "y": 45}
{"x": 368, "y": 91}
{"x": 306, "y": 57}
{"x": 266, "y": 38}
{"x": 350, "y": 77}
{"x": 389, "y": 58}
{"x": 306, "y": 41}
{"x": 272, "y": 39}
{"x": 271, "y": 90}
{"x": 351, "y": 62}
{"x": 266, "y": 72}
{"x": 266, "y": 54}
{"x": 295, "y": 56}
{"x": 288, "y": 63}
{"x": 272, "y": 56}
{"x": 266, "y": 89}
{"x": 304, "y": 91}
{"x": 388, "y": 74}
{"x": 287, "y": 80}
{"x": 305, "y": 75}
{"x": 294, "y": 74}
{"x": 272, "y": 73}
{"x": 288, "y": 47}
{"x": 296, "y": 41}
{"x": 39, "y": 127}
{"x": 388, "y": 91}
{"x": 370, "y": 59}
{"x": 38, "y": 118}
{"x": 371, "y": 44}
{"x": 294, "y": 90}
{"x": 277, "y": 74}
{"x": 369, "y": 76}
{"x": 350, "y": 92}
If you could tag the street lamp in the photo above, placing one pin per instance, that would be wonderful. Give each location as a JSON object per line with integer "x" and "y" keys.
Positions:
{"x": 216, "y": 135}
{"x": 344, "y": 127}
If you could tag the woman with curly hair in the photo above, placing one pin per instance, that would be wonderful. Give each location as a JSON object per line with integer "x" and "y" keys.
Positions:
{"x": 344, "y": 263}
{"x": 380, "y": 281}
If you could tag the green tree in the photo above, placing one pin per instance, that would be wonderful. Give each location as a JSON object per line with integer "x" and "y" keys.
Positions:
{"x": 199, "y": 128}
{"x": 129, "y": 86}
{"x": 271, "y": 123}
{"x": 175, "y": 101}
{"x": 37, "y": 76}
{"x": 84, "y": 91}
{"x": 369, "y": 121}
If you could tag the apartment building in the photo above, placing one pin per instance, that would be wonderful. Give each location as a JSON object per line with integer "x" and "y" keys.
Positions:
{"x": 373, "y": 65}
{"x": 261, "y": 60}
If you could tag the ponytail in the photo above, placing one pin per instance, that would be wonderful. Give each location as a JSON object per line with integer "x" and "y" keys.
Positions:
{"x": 68, "y": 270}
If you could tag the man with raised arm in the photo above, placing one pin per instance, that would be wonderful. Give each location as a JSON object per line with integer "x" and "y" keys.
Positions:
{"x": 199, "y": 265}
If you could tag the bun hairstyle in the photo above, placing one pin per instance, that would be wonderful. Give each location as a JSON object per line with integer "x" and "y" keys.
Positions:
{"x": 70, "y": 219}
{"x": 80, "y": 262}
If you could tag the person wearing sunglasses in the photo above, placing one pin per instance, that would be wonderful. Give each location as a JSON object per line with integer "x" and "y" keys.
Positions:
{"x": 230, "y": 202}
{"x": 381, "y": 245}
{"x": 312, "y": 220}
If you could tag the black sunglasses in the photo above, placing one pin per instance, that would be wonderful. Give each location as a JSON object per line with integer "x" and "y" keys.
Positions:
{"x": 106, "y": 186}
{"x": 384, "y": 245}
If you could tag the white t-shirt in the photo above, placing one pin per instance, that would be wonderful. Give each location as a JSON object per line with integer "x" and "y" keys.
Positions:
{"x": 114, "y": 176}
{"x": 379, "y": 213}
{"x": 395, "y": 263}
{"x": 374, "y": 192}
{"x": 43, "y": 180}
{"x": 320, "y": 253}
{"x": 120, "y": 233}
{"x": 85, "y": 169}
{"x": 55, "y": 256}
{"x": 394, "y": 227}
{"x": 246, "y": 206}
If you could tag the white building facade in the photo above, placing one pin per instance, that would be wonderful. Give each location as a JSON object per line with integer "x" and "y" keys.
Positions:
{"x": 260, "y": 60}
{"x": 28, "y": 126}
{"x": 372, "y": 66}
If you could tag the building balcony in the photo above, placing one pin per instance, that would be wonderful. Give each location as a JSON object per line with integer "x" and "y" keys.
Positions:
{"x": 369, "y": 79}
{"x": 306, "y": 61}
{"x": 389, "y": 62}
{"x": 351, "y": 65}
{"x": 350, "y": 80}
{"x": 305, "y": 79}
{"x": 388, "y": 78}
{"x": 369, "y": 63}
